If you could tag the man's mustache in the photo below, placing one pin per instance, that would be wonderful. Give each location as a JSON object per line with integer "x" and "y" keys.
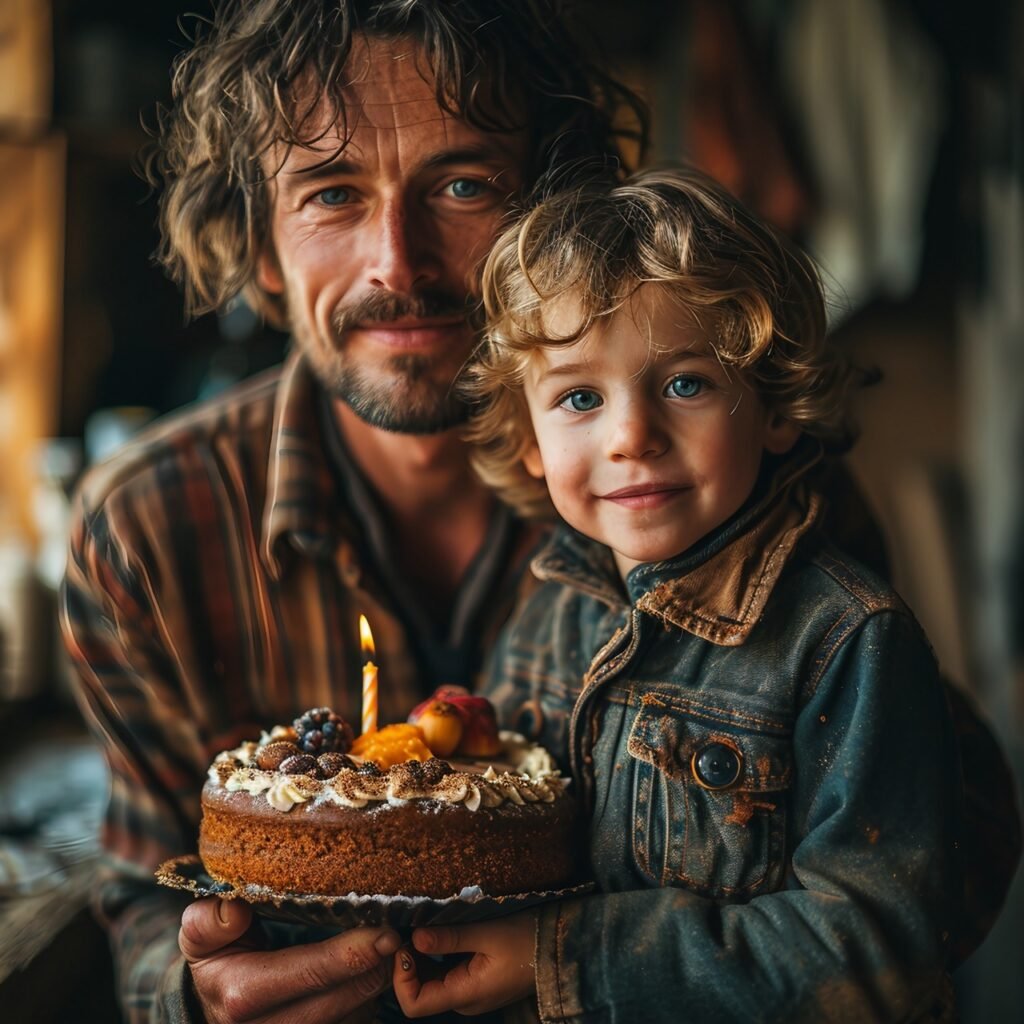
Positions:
{"x": 384, "y": 307}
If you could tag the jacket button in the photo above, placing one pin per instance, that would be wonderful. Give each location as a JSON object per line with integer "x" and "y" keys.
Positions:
{"x": 717, "y": 766}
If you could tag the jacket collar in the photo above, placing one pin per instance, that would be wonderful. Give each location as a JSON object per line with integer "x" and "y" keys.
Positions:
{"x": 301, "y": 506}
{"x": 716, "y": 590}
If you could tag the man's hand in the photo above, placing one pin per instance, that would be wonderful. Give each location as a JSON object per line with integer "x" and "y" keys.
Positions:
{"x": 310, "y": 984}
{"x": 501, "y": 970}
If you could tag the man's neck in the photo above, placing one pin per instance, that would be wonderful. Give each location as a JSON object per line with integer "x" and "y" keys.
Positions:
{"x": 412, "y": 474}
{"x": 437, "y": 508}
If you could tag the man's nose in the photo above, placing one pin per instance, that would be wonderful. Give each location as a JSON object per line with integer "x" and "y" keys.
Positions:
{"x": 401, "y": 252}
{"x": 636, "y": 433}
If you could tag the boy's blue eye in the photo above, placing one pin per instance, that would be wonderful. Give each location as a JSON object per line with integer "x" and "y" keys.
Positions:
{"x": 581, "y": 401}
{"x": 685, "y": 387}
{"x": 334, "y": 196}
{"x": 466, "y": 188}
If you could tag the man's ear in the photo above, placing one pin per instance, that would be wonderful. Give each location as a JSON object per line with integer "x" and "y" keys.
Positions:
{"x": 268, "y": 271}
{"x": 780, "y": 434}
{"x": 532, "y": 461}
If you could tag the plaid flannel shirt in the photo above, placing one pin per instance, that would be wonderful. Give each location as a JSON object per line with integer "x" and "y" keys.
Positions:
{"x": 217, "y": 570}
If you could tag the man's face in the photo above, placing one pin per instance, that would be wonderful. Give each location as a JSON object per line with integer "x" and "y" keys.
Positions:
{"x": 376, "y": 247}
{"x": 646, "y": 441}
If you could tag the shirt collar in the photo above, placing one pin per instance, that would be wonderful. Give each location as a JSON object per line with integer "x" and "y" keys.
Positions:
{"x": 301, "y": 506}
{"x": 717, "y": 590}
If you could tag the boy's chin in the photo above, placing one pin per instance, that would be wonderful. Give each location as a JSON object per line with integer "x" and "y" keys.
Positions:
{"x": 628, "y": 557}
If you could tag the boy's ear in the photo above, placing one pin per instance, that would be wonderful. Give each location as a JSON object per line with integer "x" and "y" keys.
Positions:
{"x": 531, "y": 460}
{"x": 780, "y": 434}
{"x": 268, "y": 271}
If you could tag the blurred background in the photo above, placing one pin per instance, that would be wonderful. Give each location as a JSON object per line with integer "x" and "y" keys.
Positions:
{"x": 885, "y": 135}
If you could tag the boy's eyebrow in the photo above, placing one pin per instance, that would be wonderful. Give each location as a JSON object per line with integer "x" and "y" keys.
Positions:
{"x": 673, "y": 355}
{"x": 564, "y": 370}
{"x": 574, "y": 369}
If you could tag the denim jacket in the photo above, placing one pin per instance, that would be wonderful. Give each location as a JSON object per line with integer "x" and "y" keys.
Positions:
{"x": 765, "y": 760}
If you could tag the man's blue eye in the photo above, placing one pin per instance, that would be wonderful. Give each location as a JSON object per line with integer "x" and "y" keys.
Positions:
{"x": 334, "y": 196}
{"x": 466, "y": 188}
{"x": 685, "y": 387}
{"x": 582, "y": 401}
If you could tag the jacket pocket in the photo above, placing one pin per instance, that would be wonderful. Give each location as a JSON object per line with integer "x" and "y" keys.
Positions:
{"x": 708, "y": 796}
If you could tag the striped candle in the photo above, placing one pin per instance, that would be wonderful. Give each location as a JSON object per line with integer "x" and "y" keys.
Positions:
{"x": 369, "y": 677}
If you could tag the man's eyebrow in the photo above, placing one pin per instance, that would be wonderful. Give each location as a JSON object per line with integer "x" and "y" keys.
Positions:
{"x": 326, "y": 169}
{"x": 479, "y": 154}
{"x": 445, "y": 158}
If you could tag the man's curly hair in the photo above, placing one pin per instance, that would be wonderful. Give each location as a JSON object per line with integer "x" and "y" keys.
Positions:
{"x": 755, "y": 295}
{"x": 261, "y": 72}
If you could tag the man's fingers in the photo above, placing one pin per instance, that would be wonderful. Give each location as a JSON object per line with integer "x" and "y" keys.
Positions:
{"x": 351, "y": 1002}
{"x": 211, "y": 924}
{"x": 324, "y": 964}
{"x": 249, "y": 985}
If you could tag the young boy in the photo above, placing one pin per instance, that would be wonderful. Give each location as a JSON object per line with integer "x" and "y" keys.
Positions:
{"x": 753, "y": 721}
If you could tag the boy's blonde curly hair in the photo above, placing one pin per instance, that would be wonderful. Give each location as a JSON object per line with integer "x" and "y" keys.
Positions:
{"x": 755, "y": 294}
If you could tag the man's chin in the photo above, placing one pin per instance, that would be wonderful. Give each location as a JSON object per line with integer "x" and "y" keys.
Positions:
{"x": 421, "y": 422}
{"x": 401, "y": 407}
{"x": 404, "y": 397}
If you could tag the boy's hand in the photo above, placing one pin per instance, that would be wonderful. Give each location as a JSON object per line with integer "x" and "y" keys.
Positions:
{"x": 501, "y": 970}
{"x": 236, "y": 981}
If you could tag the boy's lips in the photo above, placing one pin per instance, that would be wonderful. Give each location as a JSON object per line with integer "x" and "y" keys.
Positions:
{"x": 648, "y": 495}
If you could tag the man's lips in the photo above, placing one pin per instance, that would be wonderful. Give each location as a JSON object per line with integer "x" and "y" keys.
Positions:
{"x": 411, "y": 332}
{"x": 648, "y": 495}
{"x": 410, "y": 323}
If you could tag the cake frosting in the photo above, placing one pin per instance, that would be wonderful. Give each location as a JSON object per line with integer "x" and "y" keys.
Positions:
{"x": 525, "y": 775}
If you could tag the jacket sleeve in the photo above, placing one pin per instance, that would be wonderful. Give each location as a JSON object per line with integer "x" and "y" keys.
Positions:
{"x": 859, "y": 930}
{"x": 528, "y": 697}
{"x": 507, "y": 693}
{"x": 127, "y": 693}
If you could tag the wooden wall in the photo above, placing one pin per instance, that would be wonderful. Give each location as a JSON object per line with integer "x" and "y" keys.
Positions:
{"x": 32, "y": 161}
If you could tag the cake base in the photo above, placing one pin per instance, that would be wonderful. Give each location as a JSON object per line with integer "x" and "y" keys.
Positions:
{"x": 415, "y": 848}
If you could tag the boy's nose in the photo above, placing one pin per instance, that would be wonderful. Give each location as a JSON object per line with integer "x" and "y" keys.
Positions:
{"x": 636, "y": 434}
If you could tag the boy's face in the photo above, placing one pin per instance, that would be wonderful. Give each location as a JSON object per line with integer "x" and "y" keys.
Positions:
{"x": 646, "y": 441}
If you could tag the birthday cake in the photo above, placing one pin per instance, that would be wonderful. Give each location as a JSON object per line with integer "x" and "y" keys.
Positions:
{"x": 423, "y": 808}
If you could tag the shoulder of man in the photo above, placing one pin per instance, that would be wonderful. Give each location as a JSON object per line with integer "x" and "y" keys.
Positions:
{"x": 240, "y": 419}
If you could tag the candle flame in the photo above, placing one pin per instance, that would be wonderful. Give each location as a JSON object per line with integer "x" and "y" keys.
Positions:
{"x": 366, "y": 638}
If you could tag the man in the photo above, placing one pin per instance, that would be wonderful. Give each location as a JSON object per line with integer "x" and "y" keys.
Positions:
{"x": 345, "y": 165}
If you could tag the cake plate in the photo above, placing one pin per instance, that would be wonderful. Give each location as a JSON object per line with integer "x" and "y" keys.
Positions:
{"x": 188, "y": 874}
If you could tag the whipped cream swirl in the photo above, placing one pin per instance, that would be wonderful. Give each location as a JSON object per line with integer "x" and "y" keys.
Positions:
{"x": 528, "y": 777}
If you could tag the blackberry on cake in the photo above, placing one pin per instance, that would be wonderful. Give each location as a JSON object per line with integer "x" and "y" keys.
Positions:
{"x": 321, "y": 731}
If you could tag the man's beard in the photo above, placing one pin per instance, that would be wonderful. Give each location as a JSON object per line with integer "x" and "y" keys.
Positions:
{"x": 406, "y": 401}
{"x": 406, "y": 397}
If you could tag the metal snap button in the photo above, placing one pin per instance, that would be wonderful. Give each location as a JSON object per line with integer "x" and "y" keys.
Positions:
{"x": 717, "y": 766}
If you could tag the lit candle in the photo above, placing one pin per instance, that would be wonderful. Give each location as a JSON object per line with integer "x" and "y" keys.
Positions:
{"x": 369, "y": 677}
